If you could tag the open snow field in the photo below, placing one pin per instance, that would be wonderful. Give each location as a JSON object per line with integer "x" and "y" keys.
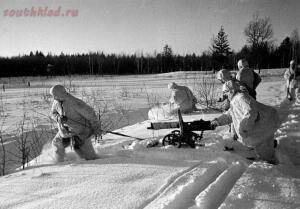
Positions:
{"x": 129, "y": 175}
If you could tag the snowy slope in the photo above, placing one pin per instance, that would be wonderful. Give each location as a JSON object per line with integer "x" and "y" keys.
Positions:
{"x": 132, "y": 176}
{"x": 265, "y": 186}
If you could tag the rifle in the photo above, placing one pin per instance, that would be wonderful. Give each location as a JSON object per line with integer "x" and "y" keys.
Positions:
{"x": 185, "y": 133}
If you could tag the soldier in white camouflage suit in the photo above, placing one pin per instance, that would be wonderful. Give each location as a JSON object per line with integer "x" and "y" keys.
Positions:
{"x": 248, "y": 77}
{"x": 292, "y": 77}
{"x": 254, "y": 122}
{"x": 77, "y": 123}
{"x": 182, "y": 97}
{"x": 223, "y": 76}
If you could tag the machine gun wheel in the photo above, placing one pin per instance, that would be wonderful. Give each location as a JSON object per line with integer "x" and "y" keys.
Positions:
{"x": 176, "y": 132}
{"x": 172, "y": 139}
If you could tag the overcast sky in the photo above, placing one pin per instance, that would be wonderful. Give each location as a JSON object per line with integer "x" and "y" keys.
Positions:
{"x": 129, "y": 26}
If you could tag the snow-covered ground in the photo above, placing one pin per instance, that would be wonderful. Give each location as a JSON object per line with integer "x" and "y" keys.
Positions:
{"x": 129, "y": 175}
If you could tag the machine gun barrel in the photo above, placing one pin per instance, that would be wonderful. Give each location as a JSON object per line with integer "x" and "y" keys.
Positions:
{"x": 197, "y": 125}
{"x": 185, "y": 134}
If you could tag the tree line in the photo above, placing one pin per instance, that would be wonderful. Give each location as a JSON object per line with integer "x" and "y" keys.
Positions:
{"x": 259, "y": 49}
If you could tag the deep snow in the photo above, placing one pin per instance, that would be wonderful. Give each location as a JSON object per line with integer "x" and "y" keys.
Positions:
{"x": 129, "y": 175}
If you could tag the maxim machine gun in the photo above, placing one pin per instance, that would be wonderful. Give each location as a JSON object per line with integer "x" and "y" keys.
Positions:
{"x": 185, "y": 133}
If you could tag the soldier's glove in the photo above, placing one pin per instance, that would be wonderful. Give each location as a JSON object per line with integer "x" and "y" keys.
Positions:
{"x": 214, "y": 124}
{"x": 63, "y": 119}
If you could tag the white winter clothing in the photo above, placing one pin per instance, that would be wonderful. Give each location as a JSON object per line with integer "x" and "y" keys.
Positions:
{"x": 292, "y": 80}
{"x": 292, "y": 77}
{"x": 242, "y": 63}
{"x": 224, "y": 75}
{"x": 81, "y": 120}
{"x": 254, "y": 123}
{"x": 182, "y": 97}
{"x": 249, "y": 79}
{"x": 85, "y": 150}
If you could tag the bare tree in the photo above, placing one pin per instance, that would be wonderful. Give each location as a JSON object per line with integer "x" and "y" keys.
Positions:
{"x": 259, "y": 30}
{"x": 139, "y": 61}
{"x": 100, "y": 57}
{"x": 206, "y": 91}
{"x": 91, "y": 63}
{"x": 102, "y": 107}
{"x": 259, "y": 35}
{"x": 3, "y": 152}
{"x": 295, "y": 44}
{"x": 37, "y": 140}
{"x": 22, "y": 142}
{"x": 22, "y": 147}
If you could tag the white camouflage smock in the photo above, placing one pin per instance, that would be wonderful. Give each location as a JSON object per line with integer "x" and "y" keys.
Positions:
{"x": 254, "y": 123}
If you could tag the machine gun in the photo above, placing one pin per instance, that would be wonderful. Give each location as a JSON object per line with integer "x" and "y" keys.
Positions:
{"x": 185, "y": 133}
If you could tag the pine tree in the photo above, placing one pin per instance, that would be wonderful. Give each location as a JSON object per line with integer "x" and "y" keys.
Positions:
{"x": 167, "y": 59}
{"x": 221, "y": 43}
{"x": 220, "y": 49}
{"x": 167, "y": 51}
{"x": 295, "y": 40}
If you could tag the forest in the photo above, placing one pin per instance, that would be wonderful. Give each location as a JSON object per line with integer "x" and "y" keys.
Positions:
{"x": 260, "y": 49}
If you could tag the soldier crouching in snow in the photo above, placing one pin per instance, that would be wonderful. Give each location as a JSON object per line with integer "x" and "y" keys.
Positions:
{"x": 182, "y": 97}
{"x": 77, "y": 123}
{"x": 248, "y": 77}
{"x": 254, "y": 122}
{"x": 223, "y": 76}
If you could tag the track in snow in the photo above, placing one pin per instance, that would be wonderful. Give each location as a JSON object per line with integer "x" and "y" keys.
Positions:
{"x": 203, "y": 186}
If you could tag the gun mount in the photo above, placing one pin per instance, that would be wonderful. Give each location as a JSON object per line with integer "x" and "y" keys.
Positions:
{"x": 185, "y": 133}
